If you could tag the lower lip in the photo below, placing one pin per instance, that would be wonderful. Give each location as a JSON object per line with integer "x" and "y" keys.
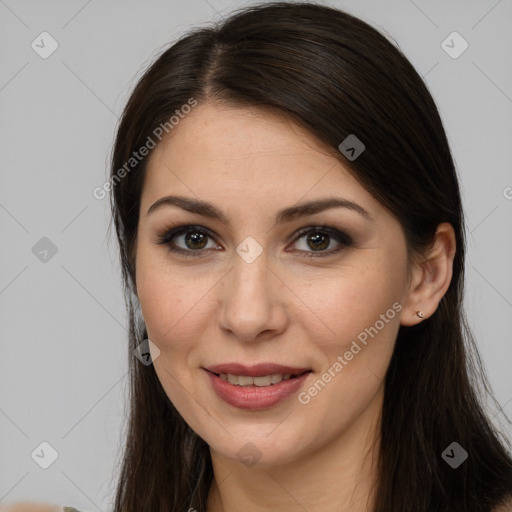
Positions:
{"x": 255, "y": 397}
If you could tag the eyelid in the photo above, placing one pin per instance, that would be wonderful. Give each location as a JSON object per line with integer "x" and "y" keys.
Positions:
{"x": 331, "y": 231}
{"x": 179, "y": 229}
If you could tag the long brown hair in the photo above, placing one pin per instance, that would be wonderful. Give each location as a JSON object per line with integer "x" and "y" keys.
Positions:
{"x": 335, "y": 75}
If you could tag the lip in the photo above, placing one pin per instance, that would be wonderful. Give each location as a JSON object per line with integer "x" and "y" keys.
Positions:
{"x": 257, "y": 370}
{"x": 256, "y": 397}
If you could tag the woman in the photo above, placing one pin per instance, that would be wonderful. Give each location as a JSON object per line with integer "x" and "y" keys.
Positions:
{"x": 292, "y": 245}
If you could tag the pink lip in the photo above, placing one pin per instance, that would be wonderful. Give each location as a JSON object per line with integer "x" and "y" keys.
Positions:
{"x": 256, "y": 397}
{"x": 257, "y": 370}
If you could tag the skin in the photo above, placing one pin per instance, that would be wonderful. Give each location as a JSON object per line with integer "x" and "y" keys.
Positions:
{"x": 27, "y": 506}
{"x": 283, "y": 307}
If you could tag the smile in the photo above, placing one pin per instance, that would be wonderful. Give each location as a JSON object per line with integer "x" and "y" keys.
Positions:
{"x": 247, "y": 380}
{"x": 260, "y": 392}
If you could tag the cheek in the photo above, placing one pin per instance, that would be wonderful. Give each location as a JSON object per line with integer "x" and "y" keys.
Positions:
{"x": 359, "y": 308}
{"x": 362, "y": 310}
{"x": 172, "y": 311}
{"x": 165, "y": 292}
{"x": 350, "y": 301}
{"x": 165, "y": 297}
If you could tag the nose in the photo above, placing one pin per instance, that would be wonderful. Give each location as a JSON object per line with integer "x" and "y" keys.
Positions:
{"x": 252, "y": 307}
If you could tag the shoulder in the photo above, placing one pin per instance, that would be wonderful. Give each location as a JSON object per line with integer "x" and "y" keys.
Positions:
{"x": 30, "y": 506}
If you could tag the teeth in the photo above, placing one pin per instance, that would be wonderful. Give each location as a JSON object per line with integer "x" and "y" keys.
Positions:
{"x": 262, "y": 381}
{"x": 276, "y": 378}
{"x": 232, "y": 379}
{"x": 245, "y": 380}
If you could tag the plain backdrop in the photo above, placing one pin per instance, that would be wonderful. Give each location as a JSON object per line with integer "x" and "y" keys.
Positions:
{"x": 63, "y": 363}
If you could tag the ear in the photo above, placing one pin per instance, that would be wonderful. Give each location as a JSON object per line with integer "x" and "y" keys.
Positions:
{"x": 430, "y": 276}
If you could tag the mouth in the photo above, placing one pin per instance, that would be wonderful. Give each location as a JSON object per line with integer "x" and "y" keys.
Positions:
{"x": 270, "y": 379}
{"x": 256, "y": 387}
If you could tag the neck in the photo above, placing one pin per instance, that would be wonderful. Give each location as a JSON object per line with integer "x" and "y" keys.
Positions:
{"x": 339, "y": 476}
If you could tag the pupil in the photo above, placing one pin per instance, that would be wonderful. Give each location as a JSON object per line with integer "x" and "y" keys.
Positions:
{"x": 315, "y": 238}
{"x": 196, "y": 238}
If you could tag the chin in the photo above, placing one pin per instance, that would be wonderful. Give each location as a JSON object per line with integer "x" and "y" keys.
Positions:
{"x": 260, "y": 449}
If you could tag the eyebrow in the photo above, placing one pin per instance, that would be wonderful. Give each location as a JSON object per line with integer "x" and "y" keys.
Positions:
{"x": 286, "y": 215}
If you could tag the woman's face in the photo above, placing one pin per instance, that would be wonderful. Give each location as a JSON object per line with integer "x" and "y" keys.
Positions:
{"x": 247, "y": 287}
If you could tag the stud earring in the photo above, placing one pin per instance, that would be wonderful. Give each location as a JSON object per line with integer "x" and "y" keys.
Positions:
{"x": 420, "y": 314}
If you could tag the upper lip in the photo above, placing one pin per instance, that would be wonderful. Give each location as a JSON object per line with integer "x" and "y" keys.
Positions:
{"x": 257, "y": 370}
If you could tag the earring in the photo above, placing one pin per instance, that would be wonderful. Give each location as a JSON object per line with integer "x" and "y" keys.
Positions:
{"x": 420, "y": 314}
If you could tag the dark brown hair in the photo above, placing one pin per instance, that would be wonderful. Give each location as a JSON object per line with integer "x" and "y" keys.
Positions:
{"x": 335, "y": 75}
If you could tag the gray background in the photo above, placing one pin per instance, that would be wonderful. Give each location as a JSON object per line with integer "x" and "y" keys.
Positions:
{"x": 63, "y": 358}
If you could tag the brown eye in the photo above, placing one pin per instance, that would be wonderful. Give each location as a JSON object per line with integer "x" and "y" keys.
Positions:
{"x": 187, "y": 240}
{"x": 195, "y": 240}
{"x": 318, "y": 239}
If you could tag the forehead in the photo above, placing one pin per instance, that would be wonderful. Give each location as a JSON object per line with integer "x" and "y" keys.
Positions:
{"x": 222, "y": 132}
{"x": 247, "y": 156}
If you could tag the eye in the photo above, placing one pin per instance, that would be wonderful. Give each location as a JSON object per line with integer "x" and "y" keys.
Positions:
{"x": 319, "y": 238}
{"x": 195, "y": 238}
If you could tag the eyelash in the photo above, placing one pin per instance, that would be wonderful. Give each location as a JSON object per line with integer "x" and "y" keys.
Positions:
{"x": 166, "y": 239}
